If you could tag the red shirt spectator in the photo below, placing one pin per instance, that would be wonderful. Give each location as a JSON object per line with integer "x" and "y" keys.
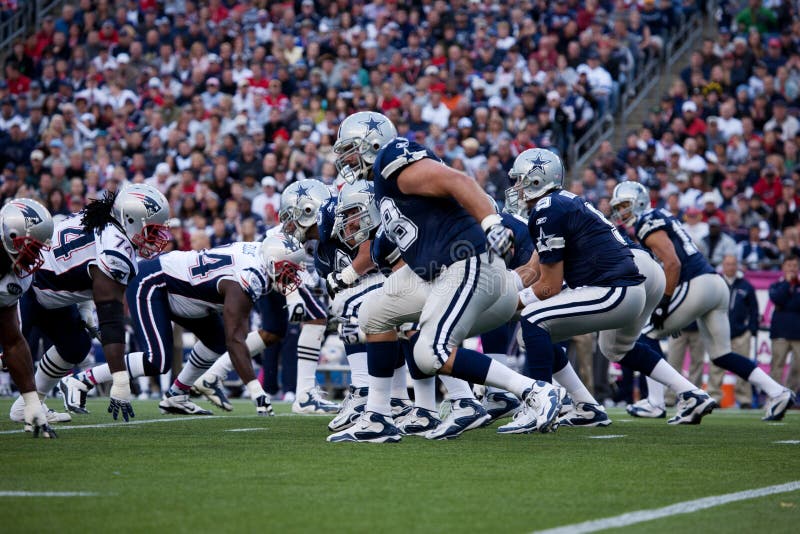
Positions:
{"x": 769, "y": 186}
{"x": 18, "y": 84}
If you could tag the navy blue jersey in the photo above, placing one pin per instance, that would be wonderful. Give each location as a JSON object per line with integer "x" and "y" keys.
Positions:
{"x": 331, "y": 255}
{"x": 692, "y": 262}
{"x": 523, "y": 244}
{"x": 565, "y": 228}
{"x": 384, "y": 252}
{"x": 431, "y": 232}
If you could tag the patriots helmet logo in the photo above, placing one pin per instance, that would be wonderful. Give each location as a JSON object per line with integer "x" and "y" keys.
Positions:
{"x": 292, "y": 245}
{"x": 31, "y": 217}
{"x": 149, "y": 203}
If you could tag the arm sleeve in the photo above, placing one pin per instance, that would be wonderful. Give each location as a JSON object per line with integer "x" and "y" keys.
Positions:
{"x": 547, "y": 226}
{"x": 650, "y": 223}
{"x": 779, "y": 293}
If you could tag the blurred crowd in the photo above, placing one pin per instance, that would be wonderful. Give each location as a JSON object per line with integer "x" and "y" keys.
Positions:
{"x": 720, "y": 150}
{"x": 221, "y": 104}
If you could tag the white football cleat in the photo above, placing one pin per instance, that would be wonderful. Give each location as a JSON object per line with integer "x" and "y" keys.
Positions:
{"x": 352, "y": 407}
{"x": 400, "y": 407}
{"x": 500, "y": 404}
{"x": 566, "y": 401}
{"x": 464, "y": 414}
{"x": 538, "y": 411}
{"x": 417, "y": 422}
{"x": 371, "y": 427}
{"x": 314, "y": 401}
{"x": 214, "y": 392}
{"x": 692, "y": 406}
{"x": 181, "y": 405}
{"x": 73, "y": 393}
{"x": 644, "y": 408}
{"x": 585, "y": 414}
{"x": 777, "y": 406}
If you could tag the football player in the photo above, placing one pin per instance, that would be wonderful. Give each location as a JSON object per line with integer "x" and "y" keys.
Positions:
{"x": 441, "y": 222}
{"x": 93, "y": 257}
{"x": 605, "y": 290}
{"x": 25, "y": 230}
{"x": 694, "y": 291}
{"x": 210, "y": 293}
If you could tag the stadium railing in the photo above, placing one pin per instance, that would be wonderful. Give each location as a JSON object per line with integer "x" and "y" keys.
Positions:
{"x": 23, "y": 21}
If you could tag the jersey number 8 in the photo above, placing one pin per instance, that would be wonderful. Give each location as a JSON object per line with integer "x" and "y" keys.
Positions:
{"x": 399, "y": 228}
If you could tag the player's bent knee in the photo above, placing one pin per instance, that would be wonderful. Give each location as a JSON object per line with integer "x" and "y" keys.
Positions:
{"x": 269, "y": 338}
{"x": 613, "y": 351}
{"x": 425, "y": 357}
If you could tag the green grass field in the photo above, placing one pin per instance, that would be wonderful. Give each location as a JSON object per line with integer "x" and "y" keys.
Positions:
{"x": 239, "y": 473}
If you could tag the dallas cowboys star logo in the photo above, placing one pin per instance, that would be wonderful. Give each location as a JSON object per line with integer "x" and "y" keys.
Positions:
{"x": 373, "y": 125}
{"x": 408, "y": 155}
{"x": 538, "y": 164}
{"x": 302, "y": 191}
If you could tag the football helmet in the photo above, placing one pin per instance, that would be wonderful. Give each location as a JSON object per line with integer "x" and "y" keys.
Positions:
{"x": 361, "y": 136}
{"x": 536, "y": 172}
{"x": 283, "y": 257}
{"x": 143, "y": 211}
{"x": 300, "y": 203}
{"x": 25, "y": 230}
{"x": 513, "y": 205}
{"x": 628, "y": 201}
{"x": 356, "y": 213}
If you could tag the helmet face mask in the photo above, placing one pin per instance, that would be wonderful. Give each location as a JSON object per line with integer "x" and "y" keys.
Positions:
{"x": 512, "y": 203}
{"x": 535, "y": 173}
{"x": 628, "y": 201}
{"x": 143, "y": 211}
{"x": 283, "y": 255}
{"x": 622, "y": 213}
{"x": 356, "y": 214}
{"x": 25, "y": 231}
{"x": 285, "y": 274}
{"x": 300, "y": 204}
{"x": 152, "y": 240}
{"x": 360, "y": 137}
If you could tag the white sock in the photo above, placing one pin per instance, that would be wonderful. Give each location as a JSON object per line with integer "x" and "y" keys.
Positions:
{"x": 135, "y": 363}
{"x": 399, "y": 385}
{"x": 499, "y": 358}
{"x": 165, "y": 381}
{"x": 425, "y": 393}
{"x": 219, "y": 369}
{"x": 380, "y": 395}
{"x": 99, "y": 374}
{"x": 201, "y": 358}
{"x": 144, "y": 384}
{"x": 762, "y": 381}
{"x": 456, "y": 388}
{"x": 655, "y": 392}
{"x": 359, "y": 377}
{"x": 668, "y": 376}
{"x": 308, "y": 344}
{"x": 568, "y": 378}
{"x": 52, "y": 368}
{"x": 502, "y": 377}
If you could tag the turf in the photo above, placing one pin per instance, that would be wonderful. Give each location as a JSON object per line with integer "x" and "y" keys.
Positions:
{"x": 192, "y": 475}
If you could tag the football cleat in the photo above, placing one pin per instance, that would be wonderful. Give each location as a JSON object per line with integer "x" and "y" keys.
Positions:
{"x": 371, "y": 427}
{"x": 566, "y": 401}
{"x": 644, "y": 408}
{"x": 17, "y": 414}
{"x": 181, "y": 405}
{"x": 777, "y": 406}
{"x": 464, "y": 414}
{"x": 313, "y": 401}
{"x": 500, "y": 404}
{"x": 692, "y": 406}
{"x": 417, "y": 421}
{"x": 352, "y": 407}
{"x": 213, "y": 392}
{"x": 73, "y": 393}
{"x": 538, "y": 412}
{"x": 585, "y": 414}
{"x": 400, "y": 407}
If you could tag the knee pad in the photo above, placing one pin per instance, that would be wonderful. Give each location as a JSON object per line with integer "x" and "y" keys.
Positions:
{"x": 612, "y": 351}
{"x": 424, "y": 356}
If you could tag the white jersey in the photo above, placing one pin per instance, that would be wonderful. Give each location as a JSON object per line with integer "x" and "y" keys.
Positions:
{"x": 192, "y": 278}
{"x": 64, "y": 278}
{"x": 12, "y": 287}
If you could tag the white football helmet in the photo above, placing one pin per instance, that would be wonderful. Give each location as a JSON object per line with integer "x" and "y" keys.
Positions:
{"x": 536, "y": 172}
{"x": 283, "y": 257}
{"x": 143, "y": 211}
{"x": 25, "y": 230}
{"x": 356, "y": 213}
{"x": 300, "y": 203}
{"x": 361, "y": 136}
{"x": 628, "y": 201}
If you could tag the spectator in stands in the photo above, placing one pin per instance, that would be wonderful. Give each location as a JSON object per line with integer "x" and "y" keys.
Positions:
{"x": 717, "y": 245}
{"x": 784, "y": 331}
{"x": 756, "y": 253}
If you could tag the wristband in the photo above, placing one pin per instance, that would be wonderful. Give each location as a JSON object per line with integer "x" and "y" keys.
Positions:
{"x": 518, "y": 283}
{"x": 349, "y": 275}
{"x": 31, "y": 398}
{"x": 527, "y": 296}
{"x": 490, "y": 220}
{"x": 254, "y": 389}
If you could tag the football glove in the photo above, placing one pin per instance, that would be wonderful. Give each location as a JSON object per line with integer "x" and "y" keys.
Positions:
{"x": 120, "y": 402}
{"x": 37, "y": 418}
{"x": 334, "y": 283}
{"x": 297, "y": 313}
{"x": 121, "y": 406}
{"x": 263, "y": 406}
{"x": 500, "y": 240}
{"x": 660, "y": 313}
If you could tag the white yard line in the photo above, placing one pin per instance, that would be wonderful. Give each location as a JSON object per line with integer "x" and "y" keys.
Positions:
{"x": 123, "y": 424}
{"x": 686, "y": 507}
{"x": 789, "y": 442}
{"x": 48, "y": 494}
{"x": 254, "y": 429}
{"x": 608, "y": 436}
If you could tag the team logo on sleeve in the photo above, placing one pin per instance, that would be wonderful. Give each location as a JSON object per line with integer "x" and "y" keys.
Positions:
{"x": 31, "y": 217}
{"x": 549, "y": 242}
{"x": 14, "y": 289}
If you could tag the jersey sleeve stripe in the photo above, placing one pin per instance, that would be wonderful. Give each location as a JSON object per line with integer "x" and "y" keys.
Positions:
{"x": 124, "y": 258}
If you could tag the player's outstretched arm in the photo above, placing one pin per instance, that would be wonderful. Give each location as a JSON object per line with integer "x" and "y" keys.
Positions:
{"x": 236, "y": 320}
{"x": 530, "y": 272}
{"x": 551, "y": 280}
{"x": 664, "y": 250}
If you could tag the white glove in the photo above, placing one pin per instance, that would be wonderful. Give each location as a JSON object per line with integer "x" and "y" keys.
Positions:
{"x": 86, "y": 311}
{"x": 36, "y": 416}
{"x": 260, "y": 399}
{"x": 120, "y": 402}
